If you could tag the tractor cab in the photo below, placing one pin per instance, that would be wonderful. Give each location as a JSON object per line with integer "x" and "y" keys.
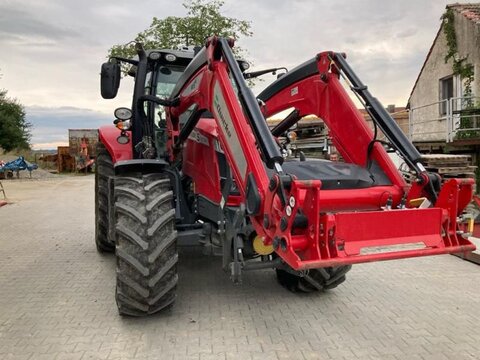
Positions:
{"x": 163, "y": 72}
{"x": 157, "y": 73}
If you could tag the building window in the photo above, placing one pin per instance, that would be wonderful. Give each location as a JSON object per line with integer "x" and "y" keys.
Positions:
{"x": 446, "y": 92}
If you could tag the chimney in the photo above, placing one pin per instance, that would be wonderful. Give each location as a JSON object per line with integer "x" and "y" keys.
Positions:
{"x": 391, "y": 108}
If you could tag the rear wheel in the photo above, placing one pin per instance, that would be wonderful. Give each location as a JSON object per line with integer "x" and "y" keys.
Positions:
{"x": 146, "y": 244}
{"x": 104, "y": 174}
{"x": 314, "y": 279}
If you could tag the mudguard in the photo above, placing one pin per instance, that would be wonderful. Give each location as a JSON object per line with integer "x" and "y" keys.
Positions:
{"x": 119, "y": 152}
{"x": 122, "y": 155}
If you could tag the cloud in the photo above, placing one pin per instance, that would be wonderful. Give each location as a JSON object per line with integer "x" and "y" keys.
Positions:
{"x": 407, "y": 33}
{"x": 386, "y": 42}
{"x": 21, "y": 27}
{"x": 51, "y": 124}
{"x": 49, "y": 145}
{"x": 52, "y": 49}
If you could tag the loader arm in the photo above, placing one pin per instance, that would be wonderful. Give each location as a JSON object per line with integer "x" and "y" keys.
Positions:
{"x": 310, "y": 221}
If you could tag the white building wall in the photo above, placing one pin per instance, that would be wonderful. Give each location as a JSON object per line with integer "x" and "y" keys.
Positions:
{"x": 426, "y": 122}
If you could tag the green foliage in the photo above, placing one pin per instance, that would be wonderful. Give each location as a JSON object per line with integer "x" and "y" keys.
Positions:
{"x": 469, "y": 119}
{"x": 465, "y": 70}
{"x": 460, "y": 66}
{"x": 449, "y": 30}
{"x": 14, "y": 128}
{"x": 203, "y": 19}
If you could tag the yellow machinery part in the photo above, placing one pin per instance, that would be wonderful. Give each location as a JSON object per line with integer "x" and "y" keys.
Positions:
{"x": 260, "y": 248}
{"x": 417, "y": 202}
{"x": 471, "y": 224}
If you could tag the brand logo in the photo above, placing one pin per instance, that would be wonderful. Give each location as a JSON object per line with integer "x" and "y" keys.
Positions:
{"x": 225, "y": 125}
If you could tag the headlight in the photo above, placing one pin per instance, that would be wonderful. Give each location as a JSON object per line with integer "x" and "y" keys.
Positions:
{"x": 123, "y": 113}
{"x": 170, "y": 57}
{"x": 154, "y": 55}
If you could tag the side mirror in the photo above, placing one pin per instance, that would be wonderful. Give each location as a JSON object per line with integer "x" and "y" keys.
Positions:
{"x": 109, "y": 79}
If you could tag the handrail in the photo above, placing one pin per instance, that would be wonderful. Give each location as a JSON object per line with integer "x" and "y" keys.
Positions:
{"x": 453, "y": 113}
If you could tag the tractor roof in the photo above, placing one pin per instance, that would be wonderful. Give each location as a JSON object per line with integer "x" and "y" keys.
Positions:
{"x": 186, "y": 53}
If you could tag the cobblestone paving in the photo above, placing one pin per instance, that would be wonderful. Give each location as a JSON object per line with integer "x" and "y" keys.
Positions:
{"x": 57, "y": 299}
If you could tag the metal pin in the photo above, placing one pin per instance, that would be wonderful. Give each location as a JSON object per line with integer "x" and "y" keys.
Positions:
{"x": 288, "y": 210}
{"x": 291, "y": 201}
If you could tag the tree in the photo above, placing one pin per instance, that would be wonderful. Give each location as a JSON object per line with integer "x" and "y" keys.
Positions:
{"x": 203, "y": 19}
{"x": 14, "y": 128}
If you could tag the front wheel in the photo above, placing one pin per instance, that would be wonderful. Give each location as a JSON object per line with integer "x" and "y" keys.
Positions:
{"x": 314, "y": 279}
{"x": 104, "y": 174}
{"x": 146, "y": 244}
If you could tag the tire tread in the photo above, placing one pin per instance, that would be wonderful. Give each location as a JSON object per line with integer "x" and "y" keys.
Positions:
{"x": 104, "y": 232}
{"x": 146, "y": 244}
{"x": 324, "y": 279}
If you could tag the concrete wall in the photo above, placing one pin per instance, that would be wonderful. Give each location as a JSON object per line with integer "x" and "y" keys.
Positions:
{"x": 428, "y": 124}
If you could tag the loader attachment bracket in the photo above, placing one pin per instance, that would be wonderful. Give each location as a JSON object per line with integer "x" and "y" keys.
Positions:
{"x": 358, "y": 237}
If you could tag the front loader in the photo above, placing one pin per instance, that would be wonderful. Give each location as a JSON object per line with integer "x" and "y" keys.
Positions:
{"x": 194, "y": 162}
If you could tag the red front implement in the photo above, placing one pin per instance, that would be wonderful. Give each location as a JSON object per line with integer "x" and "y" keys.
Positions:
{"x": 310, "y": 222}
{"x": 345, "y": 237}
{"x": 345, "y": 224}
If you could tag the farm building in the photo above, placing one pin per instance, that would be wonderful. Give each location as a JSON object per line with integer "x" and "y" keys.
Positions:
{"x": 445, "y": 98}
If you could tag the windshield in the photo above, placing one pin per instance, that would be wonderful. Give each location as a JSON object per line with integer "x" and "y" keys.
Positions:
{"x": 167, "y": 79}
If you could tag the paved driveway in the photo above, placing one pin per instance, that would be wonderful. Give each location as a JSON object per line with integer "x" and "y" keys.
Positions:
{"x": 57, "y": 299}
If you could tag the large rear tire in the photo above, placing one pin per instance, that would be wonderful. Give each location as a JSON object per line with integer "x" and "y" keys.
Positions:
{"x": 104, "y": 174}
{"x": 146, "y": 244}
{"x": 315, "y": 279}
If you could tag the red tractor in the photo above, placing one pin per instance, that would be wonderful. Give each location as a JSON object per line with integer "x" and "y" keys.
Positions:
{"x": 194, "y": 161}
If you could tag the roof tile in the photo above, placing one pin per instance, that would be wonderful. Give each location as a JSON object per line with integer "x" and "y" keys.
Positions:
{"x": 471, "y": 10}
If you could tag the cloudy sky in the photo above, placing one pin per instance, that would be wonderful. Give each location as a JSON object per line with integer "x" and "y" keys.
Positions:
{"x": 51, "y": 50}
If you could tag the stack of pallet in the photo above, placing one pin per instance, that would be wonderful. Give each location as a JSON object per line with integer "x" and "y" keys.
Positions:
{"x": 450, "y": 166}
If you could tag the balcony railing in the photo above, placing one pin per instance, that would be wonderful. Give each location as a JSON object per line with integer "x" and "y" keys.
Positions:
{"x": 447, "y": 120}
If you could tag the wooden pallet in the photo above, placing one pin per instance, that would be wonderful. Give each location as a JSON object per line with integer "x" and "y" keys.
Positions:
{"x": 449, "y": 166}
{"x": 445, "y": 157}
{"x": 472, "y": 256}
{"x": 453, "y": 169}
{"x": 444, "y": 160}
